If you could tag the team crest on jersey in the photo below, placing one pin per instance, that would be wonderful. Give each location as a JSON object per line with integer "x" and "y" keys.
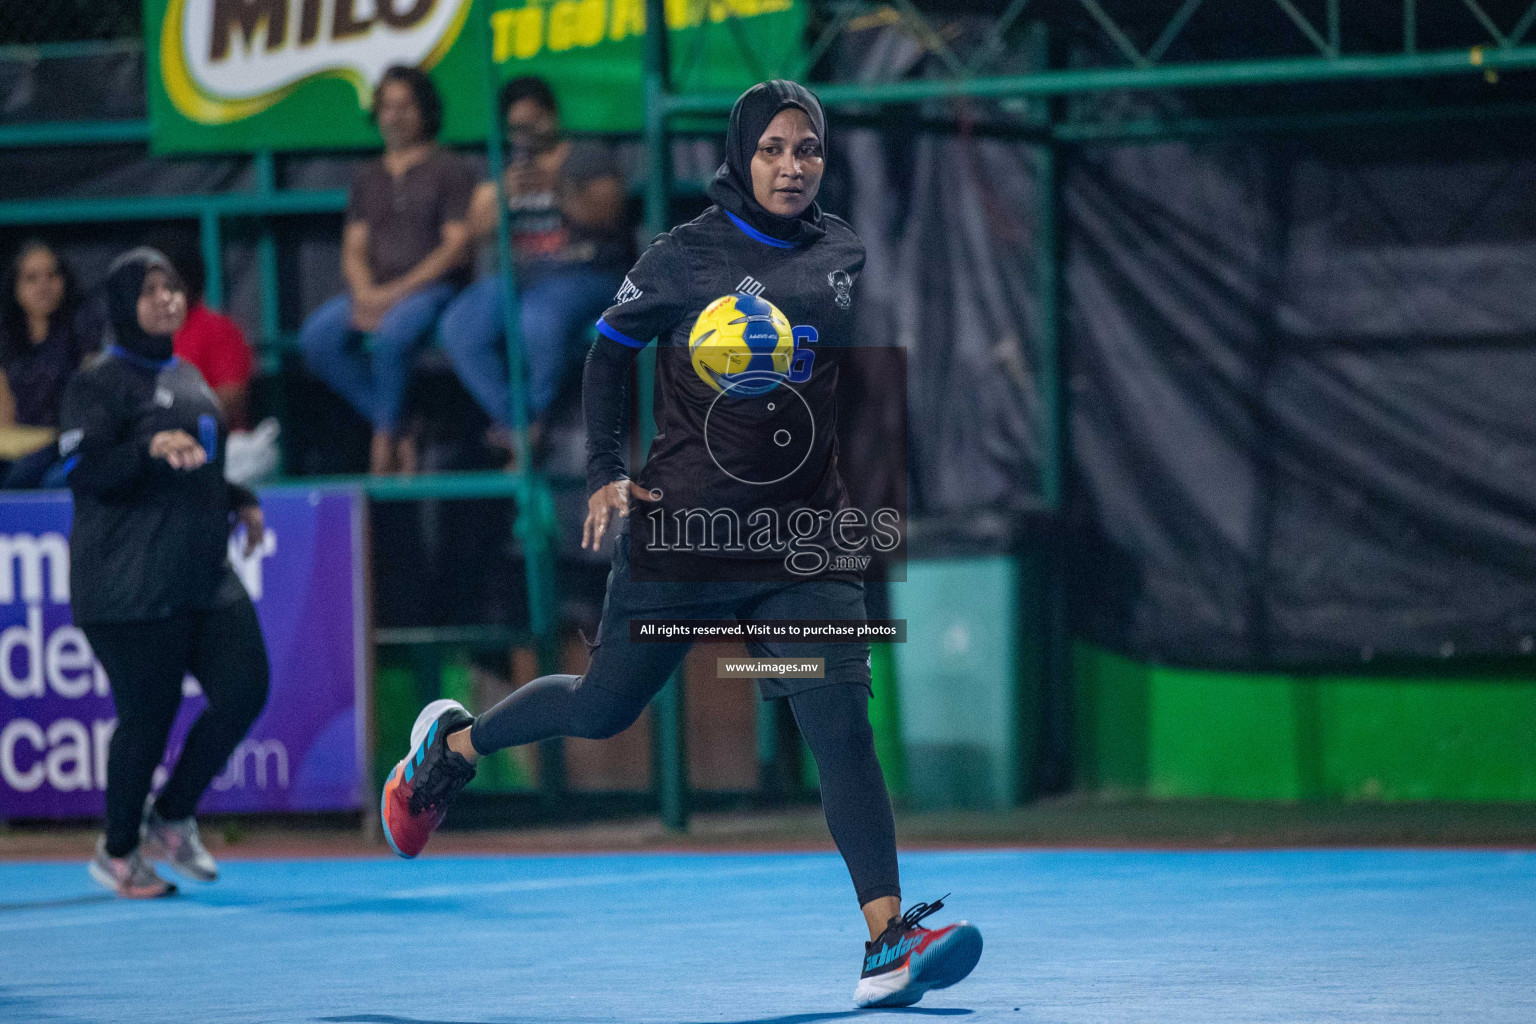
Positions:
{"x": 164, "y": 398}
{"x": 627, "y": 293}
{"x": 842, "y": 284}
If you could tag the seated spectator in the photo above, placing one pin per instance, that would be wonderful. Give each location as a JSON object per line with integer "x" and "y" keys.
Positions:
{"x": 211, "y": 341}
{"x": 44, "y": 337}
{"x": 404, "y": 255}
{"x": 571, "y": 248}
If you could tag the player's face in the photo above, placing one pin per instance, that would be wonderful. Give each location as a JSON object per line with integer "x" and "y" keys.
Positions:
{"x": 39, "y": 283}
{"x": 786, "y": 169}
{"x": 162, "y": 304}
{"x": 398, "y": 115}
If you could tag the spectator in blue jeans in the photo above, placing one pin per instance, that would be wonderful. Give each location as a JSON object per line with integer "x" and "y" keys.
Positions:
{"x": 405, "y": 253}
{"x": 571, "y": 249}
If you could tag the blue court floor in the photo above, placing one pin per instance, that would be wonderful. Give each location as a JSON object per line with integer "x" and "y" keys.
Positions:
{"x": 1071, "y": 938}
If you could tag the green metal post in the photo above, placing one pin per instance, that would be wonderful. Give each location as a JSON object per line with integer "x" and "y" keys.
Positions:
{"x": 669, "y": 737}
{"x": 1048, "y": 278}
{"x": 767, "y": 730}
{"x": 267, "y": 282}
{"x": 213, "y": 258}
{"x": 296, "y": 202}
{"x": 266, "y": 254}
{"x": 73, "y": 133}
{"x": 1196, "y": 75}
{"x": 517, "y": 371}
{"x": 1054, "y": 443}
{"x": 535, "y": 515}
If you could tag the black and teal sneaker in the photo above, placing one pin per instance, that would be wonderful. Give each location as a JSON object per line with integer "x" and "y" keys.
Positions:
{"x": 907, "y": 959}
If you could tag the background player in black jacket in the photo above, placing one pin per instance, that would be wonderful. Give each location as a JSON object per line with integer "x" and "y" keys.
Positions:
{"x": 150, "y": 579}
{"x": 743, "y": 450}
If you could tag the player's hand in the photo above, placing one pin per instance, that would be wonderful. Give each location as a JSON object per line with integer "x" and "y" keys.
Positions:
{"x": 607, "y": 502}
{"x": 178, "y": 449}
{"x": 255, "y": 527}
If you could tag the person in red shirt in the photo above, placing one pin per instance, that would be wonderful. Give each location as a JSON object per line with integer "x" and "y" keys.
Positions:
{"x": 213, "y": 342}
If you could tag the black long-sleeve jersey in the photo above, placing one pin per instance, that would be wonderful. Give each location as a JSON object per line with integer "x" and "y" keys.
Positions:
{"x": 148, "y": 541}
{"x": 759, "y": 456}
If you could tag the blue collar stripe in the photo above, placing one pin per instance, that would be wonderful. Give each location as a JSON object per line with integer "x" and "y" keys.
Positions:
{"x": 138, "y": 360}
{"x": 752, "y": 232}
{"x": 607, "y": 331}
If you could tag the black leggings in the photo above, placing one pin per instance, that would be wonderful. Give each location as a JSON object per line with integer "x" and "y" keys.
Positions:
{"x": 834, "y": 720}
{"x": 223, "y": 650}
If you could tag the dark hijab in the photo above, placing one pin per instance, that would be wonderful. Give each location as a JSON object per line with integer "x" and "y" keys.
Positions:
{"x": 122, "y": 288}
{"x": 732, "y": 187}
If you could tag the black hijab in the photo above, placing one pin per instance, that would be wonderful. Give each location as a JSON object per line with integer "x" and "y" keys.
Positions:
{"x": 732, "y": 186}
{"x": 122, "y": 288}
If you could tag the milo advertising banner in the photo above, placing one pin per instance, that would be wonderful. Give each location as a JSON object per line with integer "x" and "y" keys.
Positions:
{"x": 300, "y": 74}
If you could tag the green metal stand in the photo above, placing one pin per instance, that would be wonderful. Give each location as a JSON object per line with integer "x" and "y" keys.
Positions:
{"x": 536, "y": 523}
{"x": 669, "y": 735}
{"x": 1052, "y": 381}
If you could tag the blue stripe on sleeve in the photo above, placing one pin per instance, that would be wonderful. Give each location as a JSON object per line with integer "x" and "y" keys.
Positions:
{"x": 607, "y": 330}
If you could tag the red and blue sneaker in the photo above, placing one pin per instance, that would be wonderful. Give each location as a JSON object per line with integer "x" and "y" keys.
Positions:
{"x": 907, "y": 960}
{"x": 417, "y": 793}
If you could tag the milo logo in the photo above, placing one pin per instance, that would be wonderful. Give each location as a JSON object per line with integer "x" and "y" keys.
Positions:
{"x": 224, "y": 60}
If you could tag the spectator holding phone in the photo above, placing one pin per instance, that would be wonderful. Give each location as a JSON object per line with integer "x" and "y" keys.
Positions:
{"x": 571, "y": 248}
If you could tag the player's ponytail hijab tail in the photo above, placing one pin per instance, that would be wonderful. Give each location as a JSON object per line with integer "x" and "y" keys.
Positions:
{"x": 732, "y": 185}
{"x": 122, "y": 287}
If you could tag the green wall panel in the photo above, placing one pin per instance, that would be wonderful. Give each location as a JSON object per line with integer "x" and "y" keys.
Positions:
{"x": 1167, "y": 732}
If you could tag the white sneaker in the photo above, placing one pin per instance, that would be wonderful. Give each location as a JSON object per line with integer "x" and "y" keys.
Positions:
{"x": 131, "y": 877}
{"x": 178, "y": 843}
{"x": 908, "y": 960}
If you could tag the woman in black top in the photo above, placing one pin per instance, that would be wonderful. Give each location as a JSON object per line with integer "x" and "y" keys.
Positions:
{"x": 150, "y": 580}
{"x": 740, "y": 445}
{"x": 44, "y": 338}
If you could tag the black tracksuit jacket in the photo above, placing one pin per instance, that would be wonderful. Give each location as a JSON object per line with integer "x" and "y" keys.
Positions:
{"x": 148, "y": 541}
{"x": 713, "y": 450}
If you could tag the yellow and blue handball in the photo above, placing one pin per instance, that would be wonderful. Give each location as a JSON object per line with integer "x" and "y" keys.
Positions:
{"x": 741, "y": 345}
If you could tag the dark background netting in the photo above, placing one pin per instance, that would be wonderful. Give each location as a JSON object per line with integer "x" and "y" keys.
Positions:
{"x": 53, "y": 21}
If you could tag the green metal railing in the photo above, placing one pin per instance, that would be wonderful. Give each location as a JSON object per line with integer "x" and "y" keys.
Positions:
{"x": 1322, "y": 58}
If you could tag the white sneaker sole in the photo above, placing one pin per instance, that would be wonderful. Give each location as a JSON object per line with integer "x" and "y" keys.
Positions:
{"x": 103, "y": 878}
{"x": 155, "y": 850}
{"x": 429, "y": 714}
{"x": 941, "y": 965}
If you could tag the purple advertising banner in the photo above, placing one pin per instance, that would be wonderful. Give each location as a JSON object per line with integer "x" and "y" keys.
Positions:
{"x": 56, "y": 714}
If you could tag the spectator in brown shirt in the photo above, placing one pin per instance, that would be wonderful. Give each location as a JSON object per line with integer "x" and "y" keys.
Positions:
{"x": 405, "y": 253}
